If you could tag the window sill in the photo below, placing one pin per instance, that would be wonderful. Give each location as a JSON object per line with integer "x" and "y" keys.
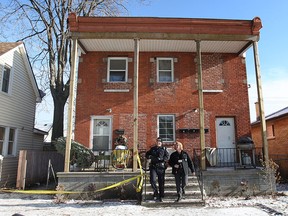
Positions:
{"x": 116, "y": 90}
{"x": 212, "y": 91}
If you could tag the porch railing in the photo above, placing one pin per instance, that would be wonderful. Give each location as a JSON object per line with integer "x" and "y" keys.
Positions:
{"x": 231, "y": 157}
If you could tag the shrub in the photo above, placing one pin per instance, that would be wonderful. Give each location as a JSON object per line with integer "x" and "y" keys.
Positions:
{"x": 79, "y": 154}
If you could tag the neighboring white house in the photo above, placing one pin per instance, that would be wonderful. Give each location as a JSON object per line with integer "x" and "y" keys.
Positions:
{"x": 19, "y": 94}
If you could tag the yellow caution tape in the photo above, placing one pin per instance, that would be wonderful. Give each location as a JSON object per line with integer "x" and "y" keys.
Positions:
{"x": 139, "y": 182}
{"x": 138, "y": 188}
{"x": 69, "y": 192}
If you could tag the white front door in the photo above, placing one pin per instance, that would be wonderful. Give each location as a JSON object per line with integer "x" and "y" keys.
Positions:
{"x": 101, "y": 133}
{"x": 225, "y": 138}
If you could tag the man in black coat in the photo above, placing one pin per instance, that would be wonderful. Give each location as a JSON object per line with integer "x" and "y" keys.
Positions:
{"x": 159, "y": 156}
{"x": 181, "y": 165}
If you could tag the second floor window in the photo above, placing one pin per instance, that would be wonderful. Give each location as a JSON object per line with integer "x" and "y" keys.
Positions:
{"x": 117, "y": 69}
{"x": 165, "y": 70}
{"x": 6, "y": 79}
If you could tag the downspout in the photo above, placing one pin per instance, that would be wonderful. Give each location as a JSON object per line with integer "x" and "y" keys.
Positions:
{"x": 260, "y": 101}
{"x": 135, "y": 115}
{"x": 71, "y": 105}
{"x": 201, "y": 106}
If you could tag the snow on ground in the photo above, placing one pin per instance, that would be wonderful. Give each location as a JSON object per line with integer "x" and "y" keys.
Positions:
{"x": 25, "y": 204}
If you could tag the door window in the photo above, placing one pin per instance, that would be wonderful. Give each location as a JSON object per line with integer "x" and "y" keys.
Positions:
{"x": 101, "y": 134}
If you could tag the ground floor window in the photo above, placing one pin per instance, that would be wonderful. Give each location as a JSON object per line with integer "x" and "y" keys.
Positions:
{"x": 7, "y": 141}
{"x": 166, "y": 127}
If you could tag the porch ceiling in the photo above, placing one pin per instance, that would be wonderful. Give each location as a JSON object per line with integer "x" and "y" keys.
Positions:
{"x": 152, "y": 45}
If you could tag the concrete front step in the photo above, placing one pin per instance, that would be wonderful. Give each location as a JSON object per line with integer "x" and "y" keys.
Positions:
{"x": 170, "y": 202}
{"x": 193, "y": 195}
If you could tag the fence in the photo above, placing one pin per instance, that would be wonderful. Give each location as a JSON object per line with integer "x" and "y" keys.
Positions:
{"x": 282, "y": 161}
{"x": 33, "y": 166}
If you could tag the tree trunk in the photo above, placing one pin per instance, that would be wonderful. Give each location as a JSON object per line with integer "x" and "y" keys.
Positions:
{"x": 58, "y": 117}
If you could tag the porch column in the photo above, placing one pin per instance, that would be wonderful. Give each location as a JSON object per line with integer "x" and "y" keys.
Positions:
{"x": 260, "y": 101}
{"x": 201, "y": 106}
{"x": 71, "y": 104}
{"x": 135, "y": 115}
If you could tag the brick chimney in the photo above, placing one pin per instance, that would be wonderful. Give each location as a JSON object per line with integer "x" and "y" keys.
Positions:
{"x": 257, "y": 110}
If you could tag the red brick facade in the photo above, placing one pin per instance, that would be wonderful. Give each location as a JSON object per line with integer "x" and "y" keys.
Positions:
{"x": 226, "y": 72}
{"x": 277, "y": 133}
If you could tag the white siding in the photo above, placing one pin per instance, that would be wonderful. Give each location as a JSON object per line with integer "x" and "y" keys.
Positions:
{"x": 17, "y": 109}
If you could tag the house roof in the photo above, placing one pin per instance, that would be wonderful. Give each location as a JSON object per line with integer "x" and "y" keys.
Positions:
{"x": 6, "y": 47}
{"x": 277, "y": 114}
{"x": 164, "y": 34}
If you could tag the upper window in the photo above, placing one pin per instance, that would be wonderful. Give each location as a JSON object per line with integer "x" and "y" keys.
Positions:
{"x": 7, "y": 141}
{"x": 270, "y": 131}
{"x": 166, "y": 127}
{"x": 117, "y": 69}
{"x": 165, "y": 72}
{"x": 6, "y": 79}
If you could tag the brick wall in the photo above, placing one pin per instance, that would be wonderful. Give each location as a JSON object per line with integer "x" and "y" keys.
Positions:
{"x": 225, "y": 72}
{"x": 277, "y": 144}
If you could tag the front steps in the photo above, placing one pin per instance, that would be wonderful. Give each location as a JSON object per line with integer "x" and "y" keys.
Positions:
{"x": 192, "y": 195}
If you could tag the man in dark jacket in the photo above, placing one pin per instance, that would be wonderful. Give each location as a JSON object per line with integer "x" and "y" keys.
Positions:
{"x": 181, "y": 165}
{"x": 159, "y": 156}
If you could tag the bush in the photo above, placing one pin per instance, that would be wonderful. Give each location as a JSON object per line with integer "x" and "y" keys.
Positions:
{"x": 79, "y": 154}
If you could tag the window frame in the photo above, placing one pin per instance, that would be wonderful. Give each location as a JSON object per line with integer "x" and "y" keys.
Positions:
{"x": 5, "y": 68}
{"x": 92, "y": 134}
{"x": 158, "y": 69}
{"x": 6, "y": 141}
{"x": 109, "y": 71}
{"x": 158, "y": 127}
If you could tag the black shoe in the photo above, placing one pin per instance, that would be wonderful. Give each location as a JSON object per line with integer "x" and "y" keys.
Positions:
{"x": 178, "y": 199}
{"x": 183, "y": 191}
{"x": 160, "y": 199}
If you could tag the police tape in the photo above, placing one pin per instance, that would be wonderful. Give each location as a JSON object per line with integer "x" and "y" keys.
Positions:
{"x": 48, "y": 192}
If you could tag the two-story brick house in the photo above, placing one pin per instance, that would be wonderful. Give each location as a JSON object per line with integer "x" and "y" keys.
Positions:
{"x": 178, "y": 78}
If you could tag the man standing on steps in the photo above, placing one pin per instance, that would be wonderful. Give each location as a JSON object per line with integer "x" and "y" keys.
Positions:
{"x": 180, "y": 163}
{"x": 159, "y": 156}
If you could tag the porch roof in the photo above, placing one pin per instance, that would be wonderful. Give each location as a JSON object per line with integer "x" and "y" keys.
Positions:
{"x": 163, "y": 34}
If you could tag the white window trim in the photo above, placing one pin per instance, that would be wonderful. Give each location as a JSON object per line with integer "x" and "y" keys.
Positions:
{"x": 91, "y": 129}
{"x": 10, "y": 79}
{"x": 108, "y": 69}
{"x": 6, "y": 142}
{"x": 172, "y": 69}
{"x": 158, "y": 127}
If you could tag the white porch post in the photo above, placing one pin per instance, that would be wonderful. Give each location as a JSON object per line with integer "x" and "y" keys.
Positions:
{"x": 260, "y": 101}
{"x": 135, "y": 115}
{"x": 71, "y": 104}
{"x": 201, "y": 106}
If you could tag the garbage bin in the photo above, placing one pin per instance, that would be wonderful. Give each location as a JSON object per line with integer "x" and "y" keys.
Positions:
{"x": 246, "y": 150}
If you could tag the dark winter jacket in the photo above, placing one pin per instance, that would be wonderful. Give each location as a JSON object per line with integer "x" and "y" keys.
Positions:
{"x": 184, "y": 162}
{"x": 159, "y": 156}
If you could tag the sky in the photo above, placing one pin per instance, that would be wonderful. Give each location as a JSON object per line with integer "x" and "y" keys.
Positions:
{"x": 273, "y": 45}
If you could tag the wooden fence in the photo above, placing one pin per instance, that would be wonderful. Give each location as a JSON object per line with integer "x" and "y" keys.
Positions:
{"x": 37, "y": 166}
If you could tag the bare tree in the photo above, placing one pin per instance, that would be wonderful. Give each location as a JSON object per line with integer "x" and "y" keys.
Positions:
{"x": 42, "y": 24}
